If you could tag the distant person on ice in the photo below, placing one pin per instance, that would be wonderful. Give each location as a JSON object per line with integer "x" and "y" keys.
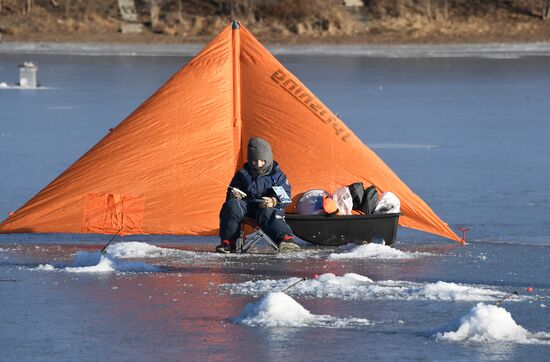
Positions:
{"x": 256, "y": 179}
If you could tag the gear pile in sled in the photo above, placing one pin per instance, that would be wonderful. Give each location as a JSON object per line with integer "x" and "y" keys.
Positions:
{"x": 359, "y": 216}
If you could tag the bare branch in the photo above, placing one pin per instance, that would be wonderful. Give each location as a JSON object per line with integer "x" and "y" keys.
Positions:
{"x": 28, "y": 6}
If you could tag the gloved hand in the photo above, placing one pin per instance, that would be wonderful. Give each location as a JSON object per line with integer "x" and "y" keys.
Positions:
{"x": 236, "y": 195}
{"x": 268, "y": 202}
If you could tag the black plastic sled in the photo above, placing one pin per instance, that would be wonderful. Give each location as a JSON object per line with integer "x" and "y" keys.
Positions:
{"x": 339, "y": 230}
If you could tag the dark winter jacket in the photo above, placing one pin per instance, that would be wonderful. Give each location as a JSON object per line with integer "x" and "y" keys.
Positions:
{"x": 258, "y": 187}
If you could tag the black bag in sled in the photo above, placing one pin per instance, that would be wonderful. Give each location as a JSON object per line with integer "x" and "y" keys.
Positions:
{"x": 364, "y": 200}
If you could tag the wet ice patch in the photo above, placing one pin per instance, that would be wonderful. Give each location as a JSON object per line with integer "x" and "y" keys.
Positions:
{"x": 353, "y": 286}
{"x": 403, "y": 146}
{"x": 373, "y": 251}
{"x": 61, "y": 108}
{"x": 490, "y": 323}
{"x": 280, "y": 310}
{"x": 95, "y": 262}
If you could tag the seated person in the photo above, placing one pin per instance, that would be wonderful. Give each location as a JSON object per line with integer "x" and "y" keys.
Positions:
{"x": 255, "y": 179}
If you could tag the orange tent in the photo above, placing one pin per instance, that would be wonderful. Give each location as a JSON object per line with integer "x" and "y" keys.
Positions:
{"x": 166, "y": 167}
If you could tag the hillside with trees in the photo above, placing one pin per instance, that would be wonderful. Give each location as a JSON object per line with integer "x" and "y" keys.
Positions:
{"x": 276, "y": 21}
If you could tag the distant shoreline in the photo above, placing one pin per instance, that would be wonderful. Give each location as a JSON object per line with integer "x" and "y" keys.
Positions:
{"x": 490, "y": 50}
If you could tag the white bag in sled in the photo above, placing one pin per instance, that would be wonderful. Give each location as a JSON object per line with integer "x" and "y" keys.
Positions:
{"x": 388, "y": 204}
{"x": 343, "y": 200}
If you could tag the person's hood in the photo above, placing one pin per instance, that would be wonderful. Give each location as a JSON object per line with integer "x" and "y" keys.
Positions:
{"x": 259, "y": 149}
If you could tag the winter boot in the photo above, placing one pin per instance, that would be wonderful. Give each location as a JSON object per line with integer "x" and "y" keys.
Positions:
{"x": 287, "y": 245}
{"x": 226, "y": 247}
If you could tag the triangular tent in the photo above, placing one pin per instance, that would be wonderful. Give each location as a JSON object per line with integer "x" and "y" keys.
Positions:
{"x": 166, "y": 167}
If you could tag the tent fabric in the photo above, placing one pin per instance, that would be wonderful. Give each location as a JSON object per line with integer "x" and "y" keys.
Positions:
{"x": 166, "y": 167}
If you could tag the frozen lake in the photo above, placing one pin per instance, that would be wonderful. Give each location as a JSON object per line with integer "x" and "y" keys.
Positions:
{"x": 469, "y": 135}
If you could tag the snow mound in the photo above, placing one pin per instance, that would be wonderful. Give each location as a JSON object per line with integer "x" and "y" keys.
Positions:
{"x": 279, "y": 310}
{"x": 95, "y": 262}
{"x": 353, "y": 286}
{"x": 374, "y": 251}
{"x": 489, "y": 323}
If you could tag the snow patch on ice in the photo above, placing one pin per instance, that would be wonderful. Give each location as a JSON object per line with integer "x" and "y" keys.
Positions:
{"x": 452, "y": 291}
{"x": 136, "y": 249}
{"x": 4, "y": 85}
{"x": 374, "y": 251}
{"x": 353, "y": 286}
{"x": 279, "y": 310}
{"x": 112, "y": 260}
{"x": 45, "y": 267}
{"x": 95, "y": 262}
{"x": 489, "y": 323}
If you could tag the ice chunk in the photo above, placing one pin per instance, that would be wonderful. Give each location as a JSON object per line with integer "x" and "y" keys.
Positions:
{"x": 275, "y": 309}
{"x": 489, "y": 323}
{"x": 279, "y": 310}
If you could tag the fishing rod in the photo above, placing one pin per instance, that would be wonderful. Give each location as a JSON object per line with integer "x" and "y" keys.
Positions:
{"x": 104, "y": 249}
{"x": 315, "y": 276}
{"x": 293, "y": 285}
{"x": 515, "y": 292}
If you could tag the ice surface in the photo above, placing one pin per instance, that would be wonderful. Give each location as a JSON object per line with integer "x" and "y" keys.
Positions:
{"x": 489, "y": 323}
{"x": 279, "y": 310}
{"x": 353, "y": 286}
{"x": 373, "y": 251}
{"x": 495, "y": 50}
{"x": 60, "y": 108}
